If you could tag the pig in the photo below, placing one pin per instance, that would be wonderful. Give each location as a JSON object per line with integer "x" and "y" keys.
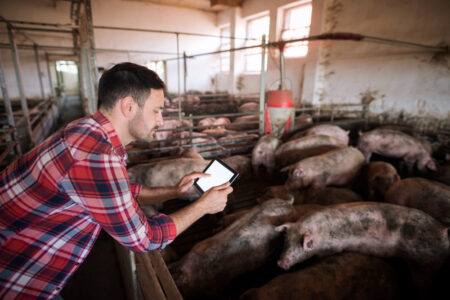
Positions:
{"x": 303, "y": 119}
{"x": 301, "y": 148}
{"x": 243, "y": 246}
{"x": 263, "y": 154}
{"x": 337, "y": 167}
{"x": 396, "y": 144}
{"x": 240, "y": 164}
{"x": 239, "y": 124}
{"x": 339, "y": 276}
{"x": 327, "y": 196}
{"x": 199, "y": 140}
{"x": 379, "y": 229}
{"x": 167, "y": 173}
{"x": 248, "y": 107}
{"x": 213, "y": 122}
{"x": 427, "y": 195}
{"x": 325, "y": 129}
{"x": 380, "y": 176}
{"x": 170, "y": 131}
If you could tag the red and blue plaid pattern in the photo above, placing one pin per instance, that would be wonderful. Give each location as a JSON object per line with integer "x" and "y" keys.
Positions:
{"x": 55, "y": 200}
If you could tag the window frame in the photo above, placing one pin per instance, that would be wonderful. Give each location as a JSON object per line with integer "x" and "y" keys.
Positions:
{"x": 302, "y": 48}
{"x": 255, "y": 52}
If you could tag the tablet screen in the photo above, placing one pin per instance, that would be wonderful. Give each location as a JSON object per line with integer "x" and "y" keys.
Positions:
{"x": 220, "y": 173}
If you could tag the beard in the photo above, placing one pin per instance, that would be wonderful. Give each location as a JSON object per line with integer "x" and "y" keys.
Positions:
{"x": 139, "y": 131}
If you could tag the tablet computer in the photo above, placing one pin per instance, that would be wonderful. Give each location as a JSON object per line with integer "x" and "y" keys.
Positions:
{"x": 220, "y": 173}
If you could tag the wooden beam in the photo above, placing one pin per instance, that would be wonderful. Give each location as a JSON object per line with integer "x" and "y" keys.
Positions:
{"x": 225, "y": 3}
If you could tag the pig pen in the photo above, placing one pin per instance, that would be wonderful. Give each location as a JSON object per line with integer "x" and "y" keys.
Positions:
{"x": 245, "y": 196}
{"x": 213, "y": 124}
{"x": 43, "y": 115}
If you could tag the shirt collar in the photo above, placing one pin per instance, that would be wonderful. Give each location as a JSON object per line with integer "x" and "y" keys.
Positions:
{"x": 111, "y": 132}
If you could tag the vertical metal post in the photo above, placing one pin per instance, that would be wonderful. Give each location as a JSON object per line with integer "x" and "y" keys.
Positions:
{"x": 8, "y": 108}
{"x": 23, "y": 101}
{"x": 261, "y": 86}
{"x": 178, "y": 76}
{"x": 52, "y": 91}
{"x": 281, "y": 70}
{"x": 185, "y": 72}
{"x": 36, "y": 55}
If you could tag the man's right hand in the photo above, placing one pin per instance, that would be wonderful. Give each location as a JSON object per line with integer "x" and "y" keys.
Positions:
{"x": 215, "y": 199}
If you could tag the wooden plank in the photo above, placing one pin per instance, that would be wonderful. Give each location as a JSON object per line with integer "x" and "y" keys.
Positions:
{"x": 164, "y": 276}
{"x": 150, "y": 285}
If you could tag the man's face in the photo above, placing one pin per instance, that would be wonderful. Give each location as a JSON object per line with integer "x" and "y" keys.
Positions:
{"x": 148, "y": 118}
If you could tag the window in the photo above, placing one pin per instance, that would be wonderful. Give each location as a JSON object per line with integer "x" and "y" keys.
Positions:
{"x": 297, "y": 21}
{"x": 66, "y": 66}
{"x": 225, "y": 45}
{"x": 255, "y": 29}
{"x": 159, "y": 67}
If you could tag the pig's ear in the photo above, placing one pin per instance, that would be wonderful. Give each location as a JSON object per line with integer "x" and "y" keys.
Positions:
{"x": 432, "y": 165}
{"x": 290, "y": 198}
{"x": 308, "y": 242}
{"x": 283, "y": 227}
{"x": 347, "y": 132}
{"x": 360, "y": 133}
{"x": 287, "y": 169}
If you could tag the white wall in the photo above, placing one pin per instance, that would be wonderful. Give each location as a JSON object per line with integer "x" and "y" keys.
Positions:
{"x": 37, "y": 11}
{"x": 402, "y": 81}
{"x": 143, "y": 15}
{"x": 117, "y": 13}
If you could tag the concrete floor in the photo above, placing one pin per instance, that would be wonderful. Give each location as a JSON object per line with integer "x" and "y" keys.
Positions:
{"x": 99, "y": 276}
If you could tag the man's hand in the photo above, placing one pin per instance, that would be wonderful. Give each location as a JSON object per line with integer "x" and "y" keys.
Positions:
{"x": 211, "y": 202}
{"x": 187, "y": 181}
{"x": 215, "y": 199}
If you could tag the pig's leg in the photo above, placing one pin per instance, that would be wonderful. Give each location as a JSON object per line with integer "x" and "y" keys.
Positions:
{"x": 409, "y": 162}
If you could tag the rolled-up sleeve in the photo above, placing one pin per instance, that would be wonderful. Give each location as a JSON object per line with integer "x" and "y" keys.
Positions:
{"x": 100, "y": 184}
{"x": 135, "y": 189}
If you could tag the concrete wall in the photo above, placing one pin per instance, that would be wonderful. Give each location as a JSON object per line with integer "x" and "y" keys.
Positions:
{"x": 117, "y": 13}
{"x": 401, "y": 81}
{"x": 143, "y": 15}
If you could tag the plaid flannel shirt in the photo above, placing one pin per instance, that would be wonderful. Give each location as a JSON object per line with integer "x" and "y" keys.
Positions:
{"x": 55, "y": 200}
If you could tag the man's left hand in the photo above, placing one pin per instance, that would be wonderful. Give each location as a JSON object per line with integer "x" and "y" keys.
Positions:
{"x": 187, "y": 181}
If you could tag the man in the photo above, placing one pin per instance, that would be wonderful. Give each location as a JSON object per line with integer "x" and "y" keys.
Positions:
{"x": 55, "y": 200}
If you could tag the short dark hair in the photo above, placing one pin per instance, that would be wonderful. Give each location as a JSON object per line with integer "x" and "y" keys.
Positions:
{"x": 127, "y": 79}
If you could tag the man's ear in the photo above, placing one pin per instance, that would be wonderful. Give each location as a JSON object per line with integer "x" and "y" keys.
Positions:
{"x": 127, "y": 106}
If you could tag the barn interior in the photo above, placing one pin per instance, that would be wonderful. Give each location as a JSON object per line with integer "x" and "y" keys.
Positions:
{"x": 236, "y": 71}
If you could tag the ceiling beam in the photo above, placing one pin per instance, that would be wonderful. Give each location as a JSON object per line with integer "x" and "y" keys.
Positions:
{"x": 225, "y": 3}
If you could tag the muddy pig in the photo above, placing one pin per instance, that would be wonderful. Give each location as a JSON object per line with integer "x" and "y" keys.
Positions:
{"x": 379, "y": 176}
{"x": 263, "y": 154}
{"x": 240, "y": 123}
{"x": 372, "y": 228}
{"x": 243, "y": 246}
{"x": 325, "y": 129}
{"x": 248, "y": 107}
{"x": 337, "y": 167}
{"x": 396, "y": 144}
{"x": 168, "y": 173}
{"x": 240, "y": 164}
{"x": 301, "y": 148}
{"x": 429, "y": 196}
{"x": 327, "y": 196}
{"x": 340, "y": 276}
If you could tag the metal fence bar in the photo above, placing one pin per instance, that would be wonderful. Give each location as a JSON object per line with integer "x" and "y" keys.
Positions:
{"x": 23, "y": 101}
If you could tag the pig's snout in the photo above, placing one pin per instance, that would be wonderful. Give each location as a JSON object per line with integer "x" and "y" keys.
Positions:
{"x": 284, "y": 264}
